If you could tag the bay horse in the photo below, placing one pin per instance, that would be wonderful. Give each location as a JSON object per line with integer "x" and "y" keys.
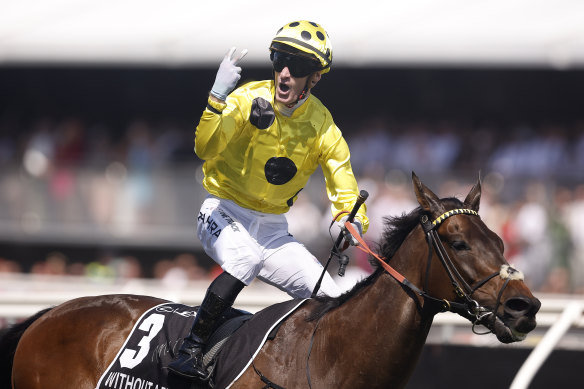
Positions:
{"x": 439, "y": 257}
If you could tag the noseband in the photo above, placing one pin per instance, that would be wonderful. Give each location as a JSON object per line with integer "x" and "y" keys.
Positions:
{"x": 470, "y": 309}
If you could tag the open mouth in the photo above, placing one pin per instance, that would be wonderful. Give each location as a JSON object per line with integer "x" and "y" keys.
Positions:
{"x": 505, "y": 334}
{"x": 283, "y": 87}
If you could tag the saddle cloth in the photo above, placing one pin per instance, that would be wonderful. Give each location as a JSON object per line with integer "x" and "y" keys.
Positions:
{"x": 142, "y": 361}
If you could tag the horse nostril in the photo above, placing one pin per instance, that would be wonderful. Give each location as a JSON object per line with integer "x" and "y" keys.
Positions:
{"x": 519, "y": 306}
{"x": 535, "y": 306}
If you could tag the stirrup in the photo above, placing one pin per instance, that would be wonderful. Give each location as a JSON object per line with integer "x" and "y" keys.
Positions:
{"x": 189, "y": 361}
{"x": 187, "y": 366}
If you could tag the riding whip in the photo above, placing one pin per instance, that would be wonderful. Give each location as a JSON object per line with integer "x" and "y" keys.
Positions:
{"x": 335, "y": 250}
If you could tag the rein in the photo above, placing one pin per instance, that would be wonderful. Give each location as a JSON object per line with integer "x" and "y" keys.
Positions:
{"x": 470, "y": 309}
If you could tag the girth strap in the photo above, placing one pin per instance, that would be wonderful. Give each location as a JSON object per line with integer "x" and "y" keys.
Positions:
{"x": 265, "y": 380}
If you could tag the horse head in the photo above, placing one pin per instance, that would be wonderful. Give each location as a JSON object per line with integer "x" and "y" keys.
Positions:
{"x": 466, "y": 266}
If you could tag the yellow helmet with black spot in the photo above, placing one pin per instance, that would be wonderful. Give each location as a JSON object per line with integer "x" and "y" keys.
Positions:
{"x": 307, "y": 38}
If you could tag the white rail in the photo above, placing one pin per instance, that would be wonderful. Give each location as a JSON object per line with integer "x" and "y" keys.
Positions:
{"x": 23, "y": 295}
{"x": 571, "y": 315}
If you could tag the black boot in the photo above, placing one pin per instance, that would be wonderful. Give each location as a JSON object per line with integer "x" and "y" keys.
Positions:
{"x": 189, "y": 362}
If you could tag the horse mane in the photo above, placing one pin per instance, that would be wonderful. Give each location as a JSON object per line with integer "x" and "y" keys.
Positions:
{"x": 396, "y": 229}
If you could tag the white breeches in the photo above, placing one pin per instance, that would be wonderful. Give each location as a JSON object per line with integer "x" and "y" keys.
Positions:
{"x": 249, "y": 244}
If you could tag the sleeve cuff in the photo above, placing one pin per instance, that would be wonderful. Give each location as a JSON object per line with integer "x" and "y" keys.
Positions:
{"x": 215, "y": 107}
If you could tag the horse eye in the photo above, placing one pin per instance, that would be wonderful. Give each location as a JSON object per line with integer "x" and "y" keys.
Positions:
{"x": 459, "y": 245}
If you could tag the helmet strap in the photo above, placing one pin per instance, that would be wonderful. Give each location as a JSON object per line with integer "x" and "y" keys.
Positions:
{"x": 304, "y": 93}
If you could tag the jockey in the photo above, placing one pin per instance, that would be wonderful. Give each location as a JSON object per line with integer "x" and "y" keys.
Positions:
{"x": 260, "y": 143}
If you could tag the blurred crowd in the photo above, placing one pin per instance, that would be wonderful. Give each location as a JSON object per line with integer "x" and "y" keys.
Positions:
{"x": 533, "y": 188}
{"x": 515, "y": 150}
{"x": 519, "y": 149}
{"x": 173, "y": 272}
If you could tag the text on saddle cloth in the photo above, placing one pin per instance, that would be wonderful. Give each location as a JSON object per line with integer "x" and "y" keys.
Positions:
{"x": 152, "y": 345}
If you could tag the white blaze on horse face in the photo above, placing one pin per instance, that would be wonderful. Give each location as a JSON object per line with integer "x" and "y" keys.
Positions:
{"x": 509, "y": 272}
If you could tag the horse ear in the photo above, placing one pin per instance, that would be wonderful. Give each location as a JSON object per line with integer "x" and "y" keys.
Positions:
{"x": 473, "y": 198}
{"x": 427, "y": 199}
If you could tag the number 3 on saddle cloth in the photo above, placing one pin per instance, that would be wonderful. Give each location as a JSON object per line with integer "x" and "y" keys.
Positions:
{"x": 154, "y": 341}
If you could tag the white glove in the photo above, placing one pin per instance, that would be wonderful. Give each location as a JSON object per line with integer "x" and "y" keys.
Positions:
{"x": 227, "y": 75}
{"x": 348, "y": 236}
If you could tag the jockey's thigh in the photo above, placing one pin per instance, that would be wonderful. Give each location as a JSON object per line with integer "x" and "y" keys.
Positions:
{"x": 222, "y": 228}
{"x": 289, "y": 266}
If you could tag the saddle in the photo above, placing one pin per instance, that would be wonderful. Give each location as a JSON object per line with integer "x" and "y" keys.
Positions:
{"x": 228, "y": 324}
{"x": 156, "y": 337}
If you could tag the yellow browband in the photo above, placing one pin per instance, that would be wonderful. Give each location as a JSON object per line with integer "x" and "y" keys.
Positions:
{"x": 446, "y": 215}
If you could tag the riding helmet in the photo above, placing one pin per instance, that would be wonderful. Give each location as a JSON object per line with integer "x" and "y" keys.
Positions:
{"x": 307, "y": 38}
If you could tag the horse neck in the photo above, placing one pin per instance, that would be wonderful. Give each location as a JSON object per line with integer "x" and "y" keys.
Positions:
{"x": 387, "y": 314}
{"x": 396, "y": 300}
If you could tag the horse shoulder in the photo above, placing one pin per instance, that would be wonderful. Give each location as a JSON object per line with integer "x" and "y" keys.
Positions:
{"x": 283, "y": 359}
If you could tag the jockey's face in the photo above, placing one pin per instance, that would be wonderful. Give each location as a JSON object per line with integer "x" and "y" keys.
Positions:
{"x": 289, "y": 88}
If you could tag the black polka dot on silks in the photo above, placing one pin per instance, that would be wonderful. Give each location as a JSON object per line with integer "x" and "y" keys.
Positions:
{"x": 314, "y": 24}
{"x": 262, "y": 113}
{"x": 305, "y": 35}
{"x": 294, "y": 24}
{"x": 279, "y": 170}
{"x": 320, "y": 35}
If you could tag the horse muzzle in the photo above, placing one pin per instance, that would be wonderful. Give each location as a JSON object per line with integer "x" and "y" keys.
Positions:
{"x": 517, "y": 320}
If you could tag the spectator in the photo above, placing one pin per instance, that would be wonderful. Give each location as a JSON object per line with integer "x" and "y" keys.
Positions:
{"x": 532, "y": 227}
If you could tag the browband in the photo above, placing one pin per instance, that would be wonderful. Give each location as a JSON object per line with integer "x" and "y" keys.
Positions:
{"x": 452, "y": 212}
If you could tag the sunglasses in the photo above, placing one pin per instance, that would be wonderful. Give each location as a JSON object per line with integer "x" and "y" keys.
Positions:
{"x": 298, "y": 66}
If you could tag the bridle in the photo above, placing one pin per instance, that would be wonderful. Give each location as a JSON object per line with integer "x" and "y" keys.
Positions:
{"x": 469, "y": 308}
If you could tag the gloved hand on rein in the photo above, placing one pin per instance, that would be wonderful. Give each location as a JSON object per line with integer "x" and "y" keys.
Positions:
{"x": 348, "y": 236}
{"x": 227, "y": 75}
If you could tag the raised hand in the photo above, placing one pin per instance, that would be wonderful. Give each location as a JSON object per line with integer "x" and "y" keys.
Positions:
{"x": 227, "y": 75}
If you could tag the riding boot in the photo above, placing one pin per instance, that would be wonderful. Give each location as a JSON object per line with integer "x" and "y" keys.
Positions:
{"x": 189, "y": 362}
